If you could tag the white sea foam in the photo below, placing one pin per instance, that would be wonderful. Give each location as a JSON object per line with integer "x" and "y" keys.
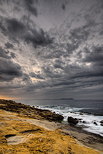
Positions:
{"x": 88, "y": 122}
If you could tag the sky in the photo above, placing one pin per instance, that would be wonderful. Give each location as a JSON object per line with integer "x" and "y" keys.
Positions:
{"x": 51, "y": 49}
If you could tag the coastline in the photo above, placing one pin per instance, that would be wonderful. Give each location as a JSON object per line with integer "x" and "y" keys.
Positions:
{"x": 89, "y": 139}
{"x": 89, "y": 122}
{"x": 58, "y": 133}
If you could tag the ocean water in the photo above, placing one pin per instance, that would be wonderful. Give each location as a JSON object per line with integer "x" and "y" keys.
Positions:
{"x": 89, "y": 113}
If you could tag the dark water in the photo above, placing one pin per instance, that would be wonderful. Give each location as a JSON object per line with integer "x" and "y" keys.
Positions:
{"x": 92, "y": 106}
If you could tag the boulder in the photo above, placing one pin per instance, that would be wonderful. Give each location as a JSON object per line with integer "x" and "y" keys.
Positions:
{"x": 72, "y": 121}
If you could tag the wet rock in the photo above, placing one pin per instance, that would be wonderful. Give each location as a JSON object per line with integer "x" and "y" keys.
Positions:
{"x": 95, "y": 123}
{"x": 81, "y": 113}
{"x": 84, "y": 122}
{"x": 72, "y": 121}
{"x": 101, "y": 122}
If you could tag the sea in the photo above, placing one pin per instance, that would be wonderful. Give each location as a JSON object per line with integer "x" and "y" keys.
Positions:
{"x": 89, "y": 112}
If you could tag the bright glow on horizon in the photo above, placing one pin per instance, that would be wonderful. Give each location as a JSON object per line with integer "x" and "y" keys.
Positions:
{"x": 7, "y": 97}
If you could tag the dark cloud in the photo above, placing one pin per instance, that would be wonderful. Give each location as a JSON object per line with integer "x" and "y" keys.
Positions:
{"x": 8, "y": 45}
{"x": 12, "y": 55}
{"x": 88, "y": 74}
{"x": 54, "y": 54}
{"x": 17, "y": 30}
{"x": 51, "y": 72}
{"x": 26, "y": 77}
{"x": 37, "y": 76}
{"x": 38, "y": 38}
{"x": 63, "y": 6}
{"x": 72, "y": 47}
{"x": 31, "y": 7}
{"x": 4, "y": 53}
{"x": 9, "y": 70}
{"x": 2, "y": 26}
{"x": 95, "y": 55}
{"x": 1, "y": 1}
{"x": 65, "y": 56}
{"x": 12, "y": 28}
{"x": 59, "y": 64}
{"x": 78, "y": 35}
{"x": 27, "y": 5}
{"x": 15, "y": 26}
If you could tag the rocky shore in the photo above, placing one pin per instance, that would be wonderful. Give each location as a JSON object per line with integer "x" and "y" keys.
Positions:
{"x": 27, "y": 110}
{"x": 28, "y": 130}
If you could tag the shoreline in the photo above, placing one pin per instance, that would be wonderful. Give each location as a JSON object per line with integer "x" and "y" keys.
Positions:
{"x": 80, "y": 129}
{"x": 19, "y": 128}
{"x": 87, "y": 138}
{"x": 88, "y": 122}
{"x": 82, "y": 137}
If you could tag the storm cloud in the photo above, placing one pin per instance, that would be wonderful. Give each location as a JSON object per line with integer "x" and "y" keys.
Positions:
{"x": 18, "y": 31}
{"x": 9, "y": 70}
{"x": 8, "y": 45}
{"x": 4, "y": 53}
{"x": 51, "y": 49}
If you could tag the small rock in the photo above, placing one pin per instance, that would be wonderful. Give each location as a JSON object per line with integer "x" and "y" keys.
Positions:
{"x": 95, "y": 123}
{"x": 84, "y": 122}
{"x": 101, "y": 122}
{"x": 81, "y": 113}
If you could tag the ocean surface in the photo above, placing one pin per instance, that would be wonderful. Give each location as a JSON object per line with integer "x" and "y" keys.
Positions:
{"x": 89, "y": 113}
